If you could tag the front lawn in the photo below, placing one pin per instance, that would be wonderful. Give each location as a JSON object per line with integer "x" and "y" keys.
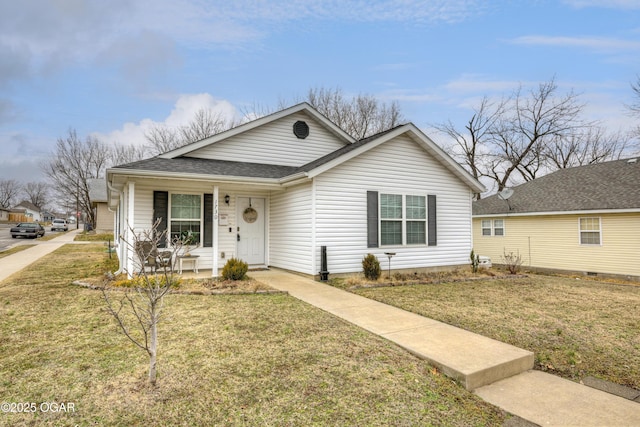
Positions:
{"x": 254, "y": 359}
{"x": 575, "y": 326}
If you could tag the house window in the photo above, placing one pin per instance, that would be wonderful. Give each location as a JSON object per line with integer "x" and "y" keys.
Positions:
{"x": 486, "y": 227}
{"x": 391, "y": 219}
{"x": 403, "y": 220}
{"x": 492, "y": 227}
{"x": 589, "y": 231}
{"x": 498, "y": 227}
{"x": 186, "y": 216}
{"x": 416, "y": 220}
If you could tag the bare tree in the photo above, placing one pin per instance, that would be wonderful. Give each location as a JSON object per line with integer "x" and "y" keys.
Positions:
{"x": 36, "y": 193}
{"x": 535, "y": 122}
{"x": 360, "y": 116}
{"x": 9, "y": 191}
{"x": 138, "y": 309}
{"x": 634, "y": 107}
{"x": 161, "y": 139}
{"x": 121, "y": 154}
{"x": 594, "y": 145}
{"x": 73, "y": 162}
{"x": 471, "y": 143}
{"x": 204, "y": 124}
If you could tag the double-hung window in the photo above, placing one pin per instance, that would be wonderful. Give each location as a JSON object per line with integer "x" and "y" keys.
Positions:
{"x": 403, "y": 220}
{"x": 589, "y": 231}
{"x": 185, "y": 217}
{"x": 492, "y": 227}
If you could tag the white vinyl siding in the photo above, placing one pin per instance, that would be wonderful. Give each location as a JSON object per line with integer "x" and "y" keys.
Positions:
{"x": 290, "y": 230}
{"x": 275, "y": 144}
{"x": 398, "y": 166}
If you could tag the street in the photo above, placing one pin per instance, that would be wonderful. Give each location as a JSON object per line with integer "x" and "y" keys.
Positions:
{"x": 6, "y": 241}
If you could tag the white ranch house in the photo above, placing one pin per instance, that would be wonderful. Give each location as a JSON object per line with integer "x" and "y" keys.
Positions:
{"x": 274, "y": 191}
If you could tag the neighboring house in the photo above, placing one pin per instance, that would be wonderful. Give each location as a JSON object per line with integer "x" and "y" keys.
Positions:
{"x": 4, "y": 214}
{"x": 274, "y": 191}
{"x": 98, "y": 196}
{"x": 584, "y": 219}
{"x": 31, "y": 211}
{"x": 48, "y": 216}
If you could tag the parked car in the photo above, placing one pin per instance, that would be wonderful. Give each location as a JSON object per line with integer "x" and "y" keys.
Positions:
{"x": 59, "y": 224}
{"x": 32, "y": 230}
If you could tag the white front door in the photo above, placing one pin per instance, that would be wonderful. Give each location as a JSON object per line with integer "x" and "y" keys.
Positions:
{"x": 251, "y": 230}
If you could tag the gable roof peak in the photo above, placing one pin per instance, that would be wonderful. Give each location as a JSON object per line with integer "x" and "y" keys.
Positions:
{"x": 260, "y": 121}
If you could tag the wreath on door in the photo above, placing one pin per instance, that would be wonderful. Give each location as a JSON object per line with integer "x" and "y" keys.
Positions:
{"x": 250, "y": 215}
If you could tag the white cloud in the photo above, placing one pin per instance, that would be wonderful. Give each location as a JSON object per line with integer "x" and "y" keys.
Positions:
{"x": 183, "y": 112}
{"x": 608, "y": 4}
{"x": 597, "y": 44}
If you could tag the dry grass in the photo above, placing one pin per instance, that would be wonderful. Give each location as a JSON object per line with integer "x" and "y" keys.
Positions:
{"x": 575, "y": 327}
{"x": 15, "y": 249}
{"x": 92, "y": 236}
{"x": 256, "y": 359}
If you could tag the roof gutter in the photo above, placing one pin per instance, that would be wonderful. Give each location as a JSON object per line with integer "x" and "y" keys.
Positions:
{"x": 585, "y": 212}
{"x": 181, "y": 176}
{"x": 295, "y": 179}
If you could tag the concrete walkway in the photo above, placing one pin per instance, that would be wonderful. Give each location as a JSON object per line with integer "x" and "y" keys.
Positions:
{"x": 497, "y": 372}
{"x": 13, "y": 263}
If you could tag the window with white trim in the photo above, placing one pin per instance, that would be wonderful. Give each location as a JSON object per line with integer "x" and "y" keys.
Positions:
{"x": 403, "y": 219}
{"x": 493, "y": 227}
{"x": 498, "y": 227}
{"x": 185, "y": 216}
{"x": 589, "y": 231}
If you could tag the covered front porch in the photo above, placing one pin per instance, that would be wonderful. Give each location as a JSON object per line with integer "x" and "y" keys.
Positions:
{"x": 222, "y": 220}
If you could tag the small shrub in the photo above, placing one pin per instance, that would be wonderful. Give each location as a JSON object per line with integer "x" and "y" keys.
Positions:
{"x": 512, "y": 261}
{"x": 371, "y": 267}
{"x": 235, "y": 269}
{"x": 475, "y": 261}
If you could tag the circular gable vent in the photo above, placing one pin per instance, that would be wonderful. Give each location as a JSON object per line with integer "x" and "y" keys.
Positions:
{"x": 301, "y": 129}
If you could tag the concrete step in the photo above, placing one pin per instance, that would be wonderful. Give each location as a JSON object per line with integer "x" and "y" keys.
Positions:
{"x": 472, "y": 359}
{"x": 548, "y": 400}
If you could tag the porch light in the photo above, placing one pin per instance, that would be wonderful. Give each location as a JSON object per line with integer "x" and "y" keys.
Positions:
{"x": 227, "y": 198}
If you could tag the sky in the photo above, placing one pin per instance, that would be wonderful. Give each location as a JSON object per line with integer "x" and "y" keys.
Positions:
{"x": 112, "y": 69}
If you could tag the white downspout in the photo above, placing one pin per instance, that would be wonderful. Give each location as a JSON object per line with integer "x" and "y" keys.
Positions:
{"x": 116, "y": 228}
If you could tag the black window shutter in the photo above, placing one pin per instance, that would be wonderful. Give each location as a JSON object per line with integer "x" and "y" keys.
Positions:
{"x": 207, "y": 239}
{"x": 372, "y": 219}
{"x": 432, "y": 220}
{"x": 160, "y": 211}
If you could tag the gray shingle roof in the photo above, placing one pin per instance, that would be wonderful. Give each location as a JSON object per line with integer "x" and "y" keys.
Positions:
{"x": 192, "y": 165}
{"x": 602, "y": 186}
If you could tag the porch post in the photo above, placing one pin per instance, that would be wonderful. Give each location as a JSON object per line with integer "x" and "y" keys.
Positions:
{"x": 214, "y": 270}
{"x": 130, "y": 223}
